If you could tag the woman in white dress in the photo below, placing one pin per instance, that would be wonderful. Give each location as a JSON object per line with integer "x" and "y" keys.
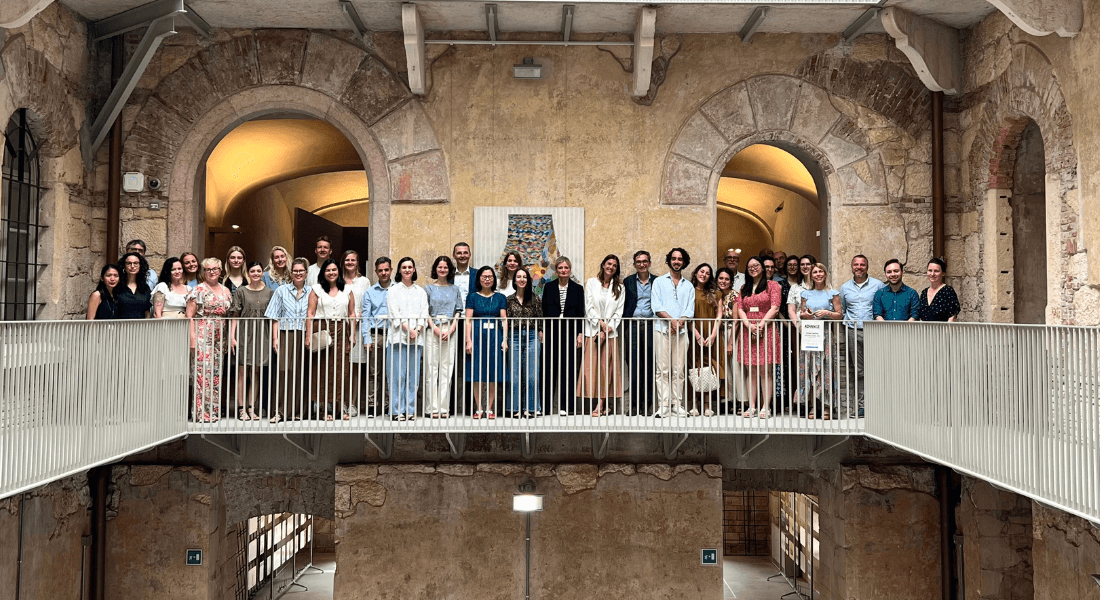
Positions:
{"x": 601, "y": 375}
{"x": 330, "y": 303}
{"x": 170, "y": 294}
{"x": 359, "y": 286}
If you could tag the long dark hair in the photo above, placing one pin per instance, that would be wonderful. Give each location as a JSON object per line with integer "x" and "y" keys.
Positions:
{"x": 504, "y": 279}
{"x": 142, "y": 274}
{"x": 339, "y": 275}
{"x": 528, "y": 292}
{"x": 104, "y": 292}
{"x": 400, "y": 278}
{"x": 166, "y": 271}
{"x": 450, "y": 268}
{"x": 797, "y": 272}
{"x": 747, "y": 289}
{"x": 729, "y": 273}
{"x": 616, "y": 285}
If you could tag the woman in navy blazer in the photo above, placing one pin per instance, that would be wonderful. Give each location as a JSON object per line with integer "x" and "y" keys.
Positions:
{"x": 563, "y": 337}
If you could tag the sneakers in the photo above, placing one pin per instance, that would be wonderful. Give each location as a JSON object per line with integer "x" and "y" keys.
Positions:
{"x": 662, "y": 413}
{"x": 561, "y": 413}
{"x": 678, "y": 411}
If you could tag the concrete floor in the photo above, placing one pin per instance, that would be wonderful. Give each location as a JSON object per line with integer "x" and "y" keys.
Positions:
{"x": 319, "y": 584}
{"x": 746, "y": 578}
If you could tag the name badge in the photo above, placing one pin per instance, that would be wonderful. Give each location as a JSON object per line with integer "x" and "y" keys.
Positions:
{"x": 488, "y": 325}
{"x": 754, "y": 309}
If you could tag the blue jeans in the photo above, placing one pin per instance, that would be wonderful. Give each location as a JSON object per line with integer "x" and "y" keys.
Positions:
{"x": 523, "y": 365}
{"x": 404, "y": 376}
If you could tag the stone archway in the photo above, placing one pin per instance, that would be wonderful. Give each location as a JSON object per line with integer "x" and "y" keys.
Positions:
{"x": 863, "y": 180}
{"x": 1026, "y": 91}
{"x": 277, "y": 71}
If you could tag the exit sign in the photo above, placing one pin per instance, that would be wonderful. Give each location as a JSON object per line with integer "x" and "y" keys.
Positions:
{"x": 194, "y": 558}
{"x": 709, "y": 556}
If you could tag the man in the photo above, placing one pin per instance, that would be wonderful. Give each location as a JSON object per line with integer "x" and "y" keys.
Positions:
{"x": 780, "y": 265}
{"x": 895, "y": 301}
{"x": 460, "y": 388}
{"x": 639, "y": 344}
{"x": 857, "y": 297}
{"x": 323, "y": 249}
{"x": 151, "y": 277}
{"x": 673, "y": 302}
{"x": 733, "y": 262}
{"x": 374, "y": 335}
{"x": 461, "y": 255}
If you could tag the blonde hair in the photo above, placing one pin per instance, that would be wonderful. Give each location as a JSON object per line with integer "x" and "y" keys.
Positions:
{"x": 243, "y": 271}
{"x": 273, "y": 272}
{"x": 825, "y": 283}
{"x": 206, "y": 264}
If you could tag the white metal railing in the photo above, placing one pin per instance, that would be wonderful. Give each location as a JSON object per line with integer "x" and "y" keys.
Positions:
{"x": 1016, "y": 405}
{"x": 543, "y": 372}
{"x": 75, "y": 394}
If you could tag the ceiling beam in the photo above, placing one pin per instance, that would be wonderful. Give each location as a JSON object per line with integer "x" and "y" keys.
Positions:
{"x": 567, "y": 21}
{"x": 491, "y": 22}
{"x": 420, "y": 80}
{"x": 352, "y": 17}
{"x": 753, "y": 23}
{"x": 644, "y": 33}
{"x": 932, "y": 48}
{"x": 143, "y": 15}
{"x": 92, "y": 136}
{"x": 1044, "y": 17}
{"x": 860, "y": 25}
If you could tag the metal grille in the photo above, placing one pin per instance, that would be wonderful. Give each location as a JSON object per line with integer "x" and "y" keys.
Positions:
{"x": 747, "y": 527}
{"x": 19, "y": 226}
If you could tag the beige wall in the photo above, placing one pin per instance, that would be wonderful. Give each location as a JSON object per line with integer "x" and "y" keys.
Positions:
{"x": 735, "y": 230}
{"x": 608, "y": 531}
{"x": 54, "y": 518}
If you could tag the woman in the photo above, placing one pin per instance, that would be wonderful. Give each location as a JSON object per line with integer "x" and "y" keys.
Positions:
{"x": 170, "y": 295}
{"x": 727, "y": 300}
{"x": 486, "y": 338}
{"x": 191, "y": 275}
{"x": 759, "y": 350}
{"x": 938, "y": 301}
{"x": 563, "y": 307}
{"x": 358, "y": 355}
{"x": 288, "y": 309}
{"x": 277, "y": 273}
{"x": 407, "y": 307}
{"x": 102, "y": 303}
{"x": 330, "y": 303}
{"x": 815, "y": 368}
{"x": 207, "y": 306}
{"x": 440, "y": 347}
{"x": 704, "y": 332}
{"x": 798, "y": 282}
{"x": 249, "y": 339}
{"x": 601, "y": 374}
{"x": 512, "y": 263}
{"x": 235, "y": 275}
{"x": 134, "y": 296}
{"x": 524, "y": 312}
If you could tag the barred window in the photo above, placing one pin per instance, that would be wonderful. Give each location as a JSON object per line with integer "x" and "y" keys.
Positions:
{"x": 20, "y": 193}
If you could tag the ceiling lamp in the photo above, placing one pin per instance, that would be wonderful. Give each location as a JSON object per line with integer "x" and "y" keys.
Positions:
{"x": 528, "y": 70}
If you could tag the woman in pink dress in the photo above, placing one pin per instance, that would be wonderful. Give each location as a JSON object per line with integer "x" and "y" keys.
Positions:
{"x": 759, "y": 349}
{"x": 209, "y": 302}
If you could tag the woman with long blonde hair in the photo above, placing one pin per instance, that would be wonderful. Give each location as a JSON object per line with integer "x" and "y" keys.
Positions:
{"x": 277, "y": 273}
{"x": 235, "y": 275}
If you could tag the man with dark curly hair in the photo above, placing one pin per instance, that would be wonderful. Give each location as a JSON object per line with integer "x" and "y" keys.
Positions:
{"x": 674, "y": 304}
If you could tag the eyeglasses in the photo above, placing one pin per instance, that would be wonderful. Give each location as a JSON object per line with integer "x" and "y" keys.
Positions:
{"x": 212, "y": 270}
{"x": 132, "y": 263}
{"x": 297, "y": 272}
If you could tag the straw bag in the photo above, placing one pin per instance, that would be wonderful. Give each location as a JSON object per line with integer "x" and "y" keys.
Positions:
{"x": 703, "y": 379}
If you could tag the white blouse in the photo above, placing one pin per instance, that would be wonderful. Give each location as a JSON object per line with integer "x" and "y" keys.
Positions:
{"x": 172, "y": 300}
{"x": 331, "y": 307}
{"x": 600, "y": 303}
{"x": 406, "y": 305}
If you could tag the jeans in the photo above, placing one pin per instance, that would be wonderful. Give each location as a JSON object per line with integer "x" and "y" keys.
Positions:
{"x": 404, "y": 371}
{"x": 523, "y": 364}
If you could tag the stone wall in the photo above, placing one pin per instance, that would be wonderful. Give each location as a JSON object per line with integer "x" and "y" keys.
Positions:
{"x": 1065, "y": 553}
{"x": 997, "y": 542}
{"x": 54, "y": 518}
{"x": 612, "y": 530}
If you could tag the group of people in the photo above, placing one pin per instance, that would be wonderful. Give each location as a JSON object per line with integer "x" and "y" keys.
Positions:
{"x": 334, "y": 344}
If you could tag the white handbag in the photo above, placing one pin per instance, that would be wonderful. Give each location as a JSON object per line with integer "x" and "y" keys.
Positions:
{"x": 703, "y": 379}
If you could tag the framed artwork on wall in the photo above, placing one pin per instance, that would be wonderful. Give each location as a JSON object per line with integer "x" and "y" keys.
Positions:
{"x": 539, "y": 234}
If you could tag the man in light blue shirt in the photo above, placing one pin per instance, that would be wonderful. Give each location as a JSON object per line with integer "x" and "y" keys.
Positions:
{"x": 673, "y": 302}
{"x": 374, "y": 328}
{"x": 639, "y": 334}
{"x": 858, "y": 297}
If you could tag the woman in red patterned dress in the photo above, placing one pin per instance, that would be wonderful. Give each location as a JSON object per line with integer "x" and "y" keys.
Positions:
{"x": 759, "y": 350}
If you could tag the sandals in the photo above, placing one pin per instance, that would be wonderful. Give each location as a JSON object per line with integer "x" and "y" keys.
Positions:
{"x": 491, "y": 415}
{"x": 694, "y": 412}
{"x": 749, "y": 414}
{"x": 242, "y": 415}
{"x": 346, "y": 416}
{"x": 277, "y": 418}
{"x": 252, "y": 415}
{"x": 442, "y": 415}
{"x": 708, "y": 413}
{"x": 597, "y": 413}
{"x": 764, "y": 414}
{"x": 477, "y": 414}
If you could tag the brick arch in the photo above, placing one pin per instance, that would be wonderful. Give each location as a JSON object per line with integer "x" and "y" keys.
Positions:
{"x": 33, "y": 82}
{"x": 277, "y": 71}
{"x": 795, "y": 115}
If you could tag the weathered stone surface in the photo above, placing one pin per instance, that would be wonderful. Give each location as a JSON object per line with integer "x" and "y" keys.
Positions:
{"x": 189, "y": 90}
{"x": 371, "y": 492}
{"x": 815, "y": 114}
{"x": 841, "y": 152}
{"x": 372, "y": 92}
{"x": 405, "y": 131}
{"x": 406, "y": 468}
{"x": 280, "y": 54}
{"x": 1086, "y": 306}
{"x": 660, "y": 471}
{"x": 231, "y": 66}
{"x": 700, "y": 141}
{"x": 541, "y": 470}
{"x": 731, "y": 112}
{"x": 421, "y": 178}
{"x": 356, "y": 473}
{"x": 624, "y": 469}
{"x": 863, "y": 182}
{"x": 576, "y": 478}
{"x": 687, "y": 469}
{"x": 918, "y": 180}
{"x": 141, "y": 475}
{"x": 501, "y": 468}
{"x": 457, "y": 469}
{"x": 686, "y": 182}
{"x": 712, "y": 470}
{"x": 330, "y": 63}
{"x": 773, "y": 98}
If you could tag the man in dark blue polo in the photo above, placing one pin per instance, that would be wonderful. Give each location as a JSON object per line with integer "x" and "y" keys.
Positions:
{"x": 895, "y": 301}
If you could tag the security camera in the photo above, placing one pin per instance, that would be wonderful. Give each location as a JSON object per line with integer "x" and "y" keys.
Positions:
{"x": 154, "y": 183}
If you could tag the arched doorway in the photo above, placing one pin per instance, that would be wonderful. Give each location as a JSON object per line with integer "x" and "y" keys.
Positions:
{"x": 1029, "y": 222}
{"x": 284, "y": 181}
{"x": 768, "y": 198}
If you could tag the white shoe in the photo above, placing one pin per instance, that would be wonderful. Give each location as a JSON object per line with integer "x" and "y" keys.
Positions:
{"x": 694, "y": 412}
{"x": 353, "y": 411}
{"x": 678, "y": 411}
{"x": 561, "y": 413}
{"x": 662, "y": 413}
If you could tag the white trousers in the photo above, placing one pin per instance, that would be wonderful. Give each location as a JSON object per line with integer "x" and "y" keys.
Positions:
{"x": 670, "y": 354}
{"x": 439, "y": 360}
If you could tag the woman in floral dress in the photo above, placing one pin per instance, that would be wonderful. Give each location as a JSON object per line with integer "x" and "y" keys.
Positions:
{"x": 207, "y": 306}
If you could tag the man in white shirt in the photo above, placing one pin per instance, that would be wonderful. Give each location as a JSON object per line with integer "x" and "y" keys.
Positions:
{"x": 323, "y": 249}
{"x": 461, "y": 254}
{"x": 733, "y": 262}
{"x": 673, "y": 303}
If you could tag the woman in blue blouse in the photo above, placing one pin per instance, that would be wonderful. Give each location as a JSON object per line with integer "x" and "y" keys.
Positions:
{"x": 444, "y": 306}
{"x": 821, "y": 304}
{"x": 486, "y": 338}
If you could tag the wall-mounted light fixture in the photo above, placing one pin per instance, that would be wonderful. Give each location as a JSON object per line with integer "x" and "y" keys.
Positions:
{"x": 529, "y": 69}
{"x": 527, "y": 502}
